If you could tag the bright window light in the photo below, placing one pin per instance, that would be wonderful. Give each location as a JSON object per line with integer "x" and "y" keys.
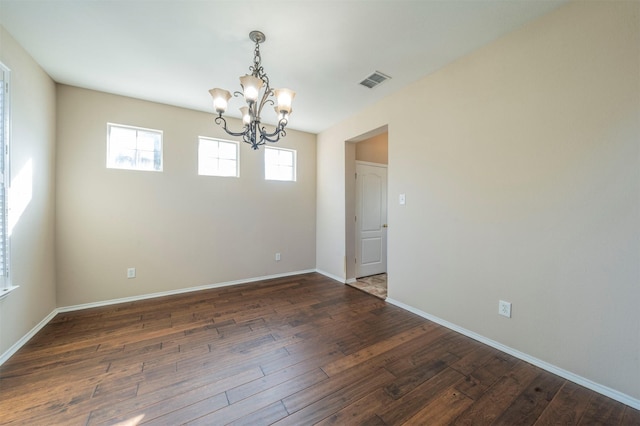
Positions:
{"x": 134, "y": 148}
{"x": 218, "y": 158}
{"x": 279, "y": 164}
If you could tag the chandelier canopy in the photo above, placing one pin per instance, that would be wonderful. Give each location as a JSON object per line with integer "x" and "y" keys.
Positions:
{"x": 257, "y": 93}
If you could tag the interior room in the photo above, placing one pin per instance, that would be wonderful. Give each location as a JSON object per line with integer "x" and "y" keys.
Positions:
{"x": 486, "y": 190}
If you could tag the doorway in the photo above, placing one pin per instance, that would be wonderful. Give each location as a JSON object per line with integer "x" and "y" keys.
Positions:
{"x": 366, "y": 231}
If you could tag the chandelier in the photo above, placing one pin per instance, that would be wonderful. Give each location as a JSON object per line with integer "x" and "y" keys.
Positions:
{"x": 257, "y": 93}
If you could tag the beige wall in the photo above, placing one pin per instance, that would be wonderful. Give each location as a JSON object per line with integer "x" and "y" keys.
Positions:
{"x": 176, "y": 228}
{"x": 523, "y": 185}
{"x": 374, "y": 149}
{"x": 32, "y": 179}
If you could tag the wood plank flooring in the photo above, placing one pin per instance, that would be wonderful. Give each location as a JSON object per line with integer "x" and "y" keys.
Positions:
{"x": 299, "y": 350}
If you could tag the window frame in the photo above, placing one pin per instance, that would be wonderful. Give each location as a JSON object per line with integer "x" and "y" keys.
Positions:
{"x": 6, "y": 286}
{"x": 208, "y": 139}
{"x": 294, "y": 166}
{"x": 111, "y": 164}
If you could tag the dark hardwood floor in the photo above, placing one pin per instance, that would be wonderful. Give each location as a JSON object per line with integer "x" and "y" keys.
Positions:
{"x": 293, "y": 351}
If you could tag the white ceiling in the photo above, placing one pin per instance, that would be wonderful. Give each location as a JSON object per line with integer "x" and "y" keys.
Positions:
{"x": 173, "y": 51}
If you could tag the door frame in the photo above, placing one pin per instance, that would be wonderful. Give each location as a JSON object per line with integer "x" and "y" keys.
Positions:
{"x": 350, "y": 199}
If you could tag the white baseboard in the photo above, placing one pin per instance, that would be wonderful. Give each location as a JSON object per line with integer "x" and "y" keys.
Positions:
{"x": 596, "y": 387}
{"x": 333, "y": 277}
{"x": 20, "y": 343}
{"x": 13, "y": 349}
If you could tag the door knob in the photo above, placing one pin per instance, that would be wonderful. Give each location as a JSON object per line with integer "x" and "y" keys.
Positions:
{"x": 385, "y": 226}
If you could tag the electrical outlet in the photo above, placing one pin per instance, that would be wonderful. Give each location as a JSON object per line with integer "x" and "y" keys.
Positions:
{"x": 504, "y": 308}
{"x": 131, "y": 272}
{"x": 277, "y": 257}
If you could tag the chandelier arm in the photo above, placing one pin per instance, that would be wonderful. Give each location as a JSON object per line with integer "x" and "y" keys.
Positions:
{"x": 265, "y": 100}
{"x": 278, "y": 132}
{"x": 264, "y": 138}
{"x": 220, "y": 118}
{"x": 264, "y": 77}
{"x": 268, "y": 92}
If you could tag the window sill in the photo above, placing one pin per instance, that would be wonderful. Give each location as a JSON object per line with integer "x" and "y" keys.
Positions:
{"x": 5, "y": 291}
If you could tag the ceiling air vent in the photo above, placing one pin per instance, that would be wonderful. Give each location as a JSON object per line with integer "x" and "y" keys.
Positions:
{"x": 374, "y": 79}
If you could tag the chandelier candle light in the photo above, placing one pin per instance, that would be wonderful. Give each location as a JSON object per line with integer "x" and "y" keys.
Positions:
{"x": 257, "y": 93}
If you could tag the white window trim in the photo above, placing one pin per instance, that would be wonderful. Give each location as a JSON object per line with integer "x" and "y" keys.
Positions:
{"x": 295, "y": 164}
{"x": 125, "y": 126}
{"x": 237, "y": 145}
{"x": 6, "y": 286}
{"x": 7, "y": 290}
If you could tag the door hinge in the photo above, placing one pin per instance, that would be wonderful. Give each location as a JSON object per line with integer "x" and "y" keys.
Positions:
{"x": 356, "y": 175}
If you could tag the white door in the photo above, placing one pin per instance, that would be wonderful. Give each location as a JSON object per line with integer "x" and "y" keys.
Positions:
{"x": 371, "y": 219}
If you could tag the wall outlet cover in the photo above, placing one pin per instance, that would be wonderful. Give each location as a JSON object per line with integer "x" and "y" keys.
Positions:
{"x": 504, "y": 308}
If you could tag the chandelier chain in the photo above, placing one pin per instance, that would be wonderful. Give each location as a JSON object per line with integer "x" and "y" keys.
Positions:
{"x": 257, "y": 59}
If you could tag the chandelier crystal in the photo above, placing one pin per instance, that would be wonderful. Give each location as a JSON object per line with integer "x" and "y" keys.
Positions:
{"x": 257, "y": 94}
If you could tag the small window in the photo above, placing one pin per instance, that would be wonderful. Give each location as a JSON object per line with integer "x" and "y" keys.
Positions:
{"x": 279, "y": 164}
{"x": 134, "y": 148}
{"x": 217, "y": 157}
